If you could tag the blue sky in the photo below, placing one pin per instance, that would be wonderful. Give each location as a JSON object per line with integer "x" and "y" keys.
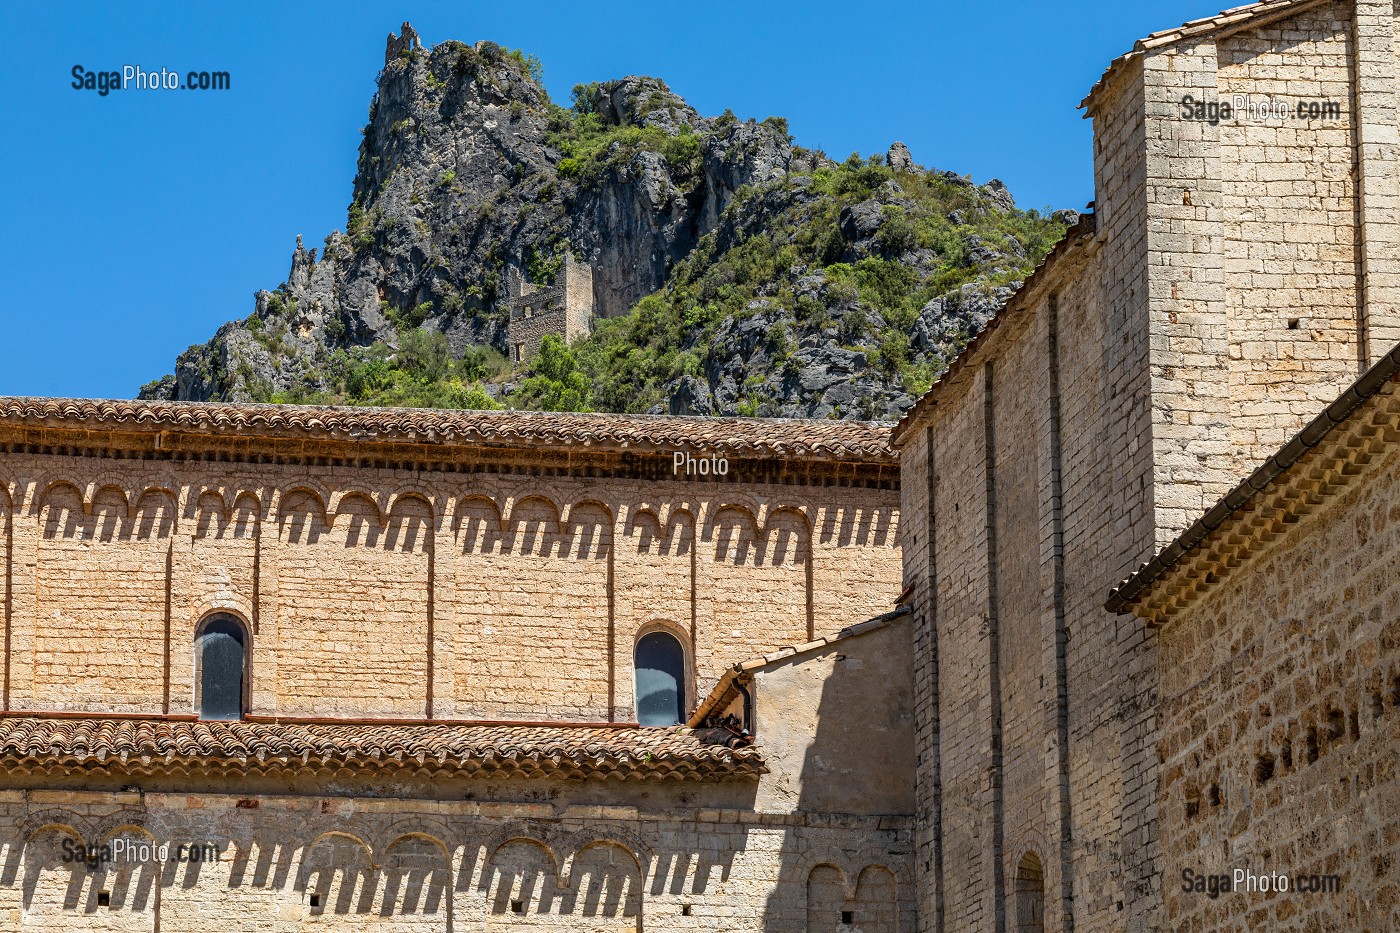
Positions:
{"x": 137, "y": 223}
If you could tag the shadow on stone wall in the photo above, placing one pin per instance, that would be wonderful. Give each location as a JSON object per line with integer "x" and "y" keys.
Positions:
{"x": 852, "y": 789}
{"x": 527, "y": 875}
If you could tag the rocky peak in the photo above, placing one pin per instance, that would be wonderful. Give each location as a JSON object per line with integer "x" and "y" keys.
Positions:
{"x": 899, "y": 159}
{"x": 641, "y": 101}
{"x": 785, "y": 284}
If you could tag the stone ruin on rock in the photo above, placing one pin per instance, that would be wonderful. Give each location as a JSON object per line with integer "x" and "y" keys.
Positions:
{"x": 564, "y": 309}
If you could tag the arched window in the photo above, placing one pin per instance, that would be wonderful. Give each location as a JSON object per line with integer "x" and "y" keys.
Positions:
{"x": 1030, "y": 895}
{"x": 660, "y": 665}
{"x": 221, "y": 664}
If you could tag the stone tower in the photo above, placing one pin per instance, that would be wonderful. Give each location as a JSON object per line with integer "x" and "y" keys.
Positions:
{"x": 564, "y": 308}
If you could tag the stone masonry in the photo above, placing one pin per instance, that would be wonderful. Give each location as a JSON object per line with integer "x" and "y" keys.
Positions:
{"x": 407, "y": 577}
{"x": 1235, "y": 277}
{"x": 1280, "y": 685}
{"x": 564, "y": 308}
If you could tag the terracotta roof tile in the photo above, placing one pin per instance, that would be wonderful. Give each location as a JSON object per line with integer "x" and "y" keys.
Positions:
{"x": 133, "y": 745}
{"x": 792, "y": 438}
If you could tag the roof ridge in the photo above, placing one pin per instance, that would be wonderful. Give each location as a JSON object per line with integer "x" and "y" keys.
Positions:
{"x": 1190, "y": 28}
{"x": 790, "y": 437}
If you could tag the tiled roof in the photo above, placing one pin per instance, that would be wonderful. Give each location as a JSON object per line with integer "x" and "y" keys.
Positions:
{"x": 1335, "y": 444}
{"x": 1078, "y": 235}
{"x": 144, "y": 746}
{"x": 1248, "y": 14}
{"x": 792, "y": 438}
{"x": 722, "y": 693}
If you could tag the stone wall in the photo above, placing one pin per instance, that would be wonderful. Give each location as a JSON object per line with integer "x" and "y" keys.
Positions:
{"x": 1033, "y": 743}
{"x": 564, "y": 309}
{"x": 1289, "y": 217}
{"x": 1281, "y": 710}
{"x": 505, "y": 588}
{"x": 1270, "y": 276}
{"x": 1122, "y": 391}
{"x": 657, "y": 859}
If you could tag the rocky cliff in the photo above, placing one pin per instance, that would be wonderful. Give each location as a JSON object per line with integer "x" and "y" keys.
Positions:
{"x": 733, "y": 271}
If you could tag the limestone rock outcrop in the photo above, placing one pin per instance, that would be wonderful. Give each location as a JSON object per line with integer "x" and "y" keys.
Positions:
{"x": 469, "y": 174}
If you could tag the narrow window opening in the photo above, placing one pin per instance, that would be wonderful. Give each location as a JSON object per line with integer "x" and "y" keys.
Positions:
{"x": 221, "y": 656}
{"x": 315, "y": 901}
{"x": 104, "y": 898}
{"x": 848, "y": 917}
{"x": 1215, "y": 795}
{"x": 1293, "y": 323}
{"x": 660, "y": 671}
{"x": 685, "y": 910}
{"x": 517, "y": 907}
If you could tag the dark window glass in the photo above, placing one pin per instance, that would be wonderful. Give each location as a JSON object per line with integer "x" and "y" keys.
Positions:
{"x": 221, "y": 670}
{"x": 660, "y": 680}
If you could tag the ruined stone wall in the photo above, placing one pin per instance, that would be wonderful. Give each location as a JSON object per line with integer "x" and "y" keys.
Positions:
{"x": 650, "y": 860}
{"x": 527, "y": 333}
{"x": 564, "y": 309}
{"x": 1281, "y": 710}
{"x": 509, "y": 592}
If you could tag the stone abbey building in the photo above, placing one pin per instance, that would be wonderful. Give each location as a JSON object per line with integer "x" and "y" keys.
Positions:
{"x": 1101, "y": 637}
{"x": 1238, "y": 274}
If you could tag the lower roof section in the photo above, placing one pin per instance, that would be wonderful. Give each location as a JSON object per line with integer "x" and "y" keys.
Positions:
{"x": 138, "y": 746}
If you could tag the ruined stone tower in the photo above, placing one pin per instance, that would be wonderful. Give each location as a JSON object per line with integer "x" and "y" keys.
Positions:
{"x": 564, "y": 308}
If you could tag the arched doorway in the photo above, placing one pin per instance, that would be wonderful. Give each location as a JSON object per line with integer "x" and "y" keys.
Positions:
{"x": 1030, "y": 895}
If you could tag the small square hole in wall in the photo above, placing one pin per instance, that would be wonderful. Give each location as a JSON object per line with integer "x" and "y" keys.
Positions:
{"x": 1293, "y": 323}
{"x": 685, "y": 910}
{"x": 517, "y": 907}
{"x": 104, "y": 898}
{"x": 315, "y": 901}
{"x": 848, "y": 917}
